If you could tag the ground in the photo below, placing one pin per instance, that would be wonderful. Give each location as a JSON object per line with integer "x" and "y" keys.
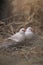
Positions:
{"x": 27, "y": 13}
{"x": 27, "y": 55}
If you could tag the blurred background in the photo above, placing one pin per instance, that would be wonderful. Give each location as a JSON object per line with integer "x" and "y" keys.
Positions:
{"x": 15, "y": 14}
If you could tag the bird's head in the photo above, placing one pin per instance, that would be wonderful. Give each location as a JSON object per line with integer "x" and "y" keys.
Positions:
{"x": 29, "y": 29}
{"x": 22, "y": 30}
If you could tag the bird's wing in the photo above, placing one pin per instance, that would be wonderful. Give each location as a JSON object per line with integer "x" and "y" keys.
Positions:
{"x": 15, "y": 37}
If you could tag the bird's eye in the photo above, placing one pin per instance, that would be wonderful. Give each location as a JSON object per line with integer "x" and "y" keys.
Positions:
{"x": 23, "y": 30}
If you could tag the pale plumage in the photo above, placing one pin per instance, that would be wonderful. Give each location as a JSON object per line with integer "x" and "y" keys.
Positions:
{"x": 28, "y": 33}
{"x": 19, "y": 36}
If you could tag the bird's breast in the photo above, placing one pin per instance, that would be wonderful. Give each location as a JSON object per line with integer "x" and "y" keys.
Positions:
{"x": 28, "y": 35}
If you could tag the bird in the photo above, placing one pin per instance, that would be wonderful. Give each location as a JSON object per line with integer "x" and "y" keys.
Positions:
{"x": 29, "y": 36}
{"x": 29, "y": 33}
{"x": 19, "y": 36}
{"x": 14, "y": 40}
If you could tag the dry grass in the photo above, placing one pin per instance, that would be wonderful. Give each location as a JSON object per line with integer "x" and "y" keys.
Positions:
{"x": 22, "y": 17}
{"x": 25, "y": 13}
{"x": 24, "y": 56}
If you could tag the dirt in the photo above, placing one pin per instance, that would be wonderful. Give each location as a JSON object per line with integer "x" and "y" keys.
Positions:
{"x": 21, "y": 14}
{"x": 27, "y": 55}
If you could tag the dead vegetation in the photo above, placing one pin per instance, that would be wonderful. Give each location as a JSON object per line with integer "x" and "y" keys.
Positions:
{"x": 23, "y": 13}
{"x": 29, "y": 13}
{"x": 29, "y": 55}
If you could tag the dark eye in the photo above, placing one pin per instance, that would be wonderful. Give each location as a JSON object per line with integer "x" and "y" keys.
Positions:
{"x": 23, "y": 30}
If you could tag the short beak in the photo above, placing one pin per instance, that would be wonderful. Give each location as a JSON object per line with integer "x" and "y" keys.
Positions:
{"x": 24, "y": 30}
{"x": 32, "y": 30}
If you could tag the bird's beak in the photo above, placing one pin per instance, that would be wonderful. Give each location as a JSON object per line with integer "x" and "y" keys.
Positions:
{"x": 24, "y": 30}
{"x": 32, "y": 29}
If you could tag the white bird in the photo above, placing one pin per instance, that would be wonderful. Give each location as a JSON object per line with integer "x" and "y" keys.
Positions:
{"x": 19, "y": 36}
{"x": 29, "y": 33}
